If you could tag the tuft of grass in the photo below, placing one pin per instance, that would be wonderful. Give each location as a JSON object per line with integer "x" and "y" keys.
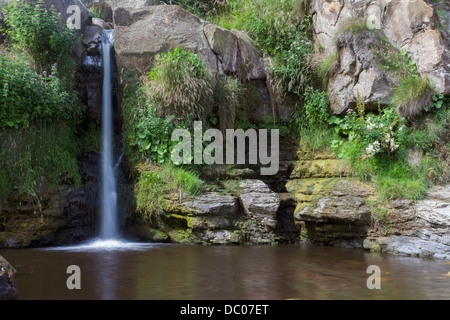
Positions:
{"x": 326, "y": 66}
{"x": 412, "y": 95}
{"x": 156, "y": 184}
{"x": 353, "y": 25}
{"x": 180, "y": 85}
{"x": 228, "y": 98}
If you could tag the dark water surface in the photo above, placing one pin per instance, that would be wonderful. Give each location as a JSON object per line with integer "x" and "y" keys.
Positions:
{"x": 163, "y": 271}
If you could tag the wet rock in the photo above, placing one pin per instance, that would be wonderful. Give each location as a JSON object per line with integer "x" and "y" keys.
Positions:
{"x": 259, "y": 202}
{"x": 92, "y": 40}
{"x": 8, "y": 286}
{"x": 211, "y": 203}
{"x": 419, "y": 229}
{"x": 412, "y": 246}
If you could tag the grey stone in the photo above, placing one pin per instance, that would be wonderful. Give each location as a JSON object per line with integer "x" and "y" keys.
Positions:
{"x": 259, "y": 202}
{"x": 143, "y": 33}
{"x": 212, "y": 203}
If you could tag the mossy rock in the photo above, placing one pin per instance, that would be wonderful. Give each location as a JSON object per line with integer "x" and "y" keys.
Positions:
{"x": 328, "y": 168}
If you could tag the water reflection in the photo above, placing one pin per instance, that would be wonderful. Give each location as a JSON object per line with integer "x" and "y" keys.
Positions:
{"x": 196, "y": 272}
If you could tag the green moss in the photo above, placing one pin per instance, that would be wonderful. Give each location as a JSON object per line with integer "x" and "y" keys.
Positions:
{"x": 233, "y": 186}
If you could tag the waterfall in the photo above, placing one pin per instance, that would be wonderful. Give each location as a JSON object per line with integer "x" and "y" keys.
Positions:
{"x": 109, "y": 217}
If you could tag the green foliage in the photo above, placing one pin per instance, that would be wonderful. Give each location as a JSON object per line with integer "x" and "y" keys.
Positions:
{"x": 377, "y": 149}
{"x": 398, "y": 62}
{"x": 39, "y": 31}
{"x": 311, "y": 122}
{"x": 412, "y": 96}
{"x": 147, "y": 136}
{"x": 293, "y": 71}
{"x": 228, "y": 98}
{"x": 35, "y": 160}
{"x": 324, "y": 67}
{"x": 156, "y": 184}
{"x": 179, "y": 85}
{"x": 353, "y": 25}
{"x": 26, "y": 96}
{"x": 315, "y": 111}
{"x": 281, "y": 29}
{"x": 381, "y": 133}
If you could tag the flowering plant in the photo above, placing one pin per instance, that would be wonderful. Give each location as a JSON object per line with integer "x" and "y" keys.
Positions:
{"x": 374, "y": 134}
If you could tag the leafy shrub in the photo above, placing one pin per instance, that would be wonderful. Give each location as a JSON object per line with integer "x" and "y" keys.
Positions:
{"x": 315, "y": 112}
{"x": 147, "y": 136}
{"x": 374, "y": 134}
{"x": 293, "y": 71}
{"x": 39, "y": 31}
{"x": 26, "y": 96}
{"x": 179, "y": 85}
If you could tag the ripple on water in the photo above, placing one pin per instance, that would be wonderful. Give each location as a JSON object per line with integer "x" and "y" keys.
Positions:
{"x": 106, "y": 245}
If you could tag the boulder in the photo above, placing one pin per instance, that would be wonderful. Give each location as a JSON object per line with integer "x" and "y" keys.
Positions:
{"x": 103, "y": 24}
{"x": 8, "y": 286}
{"x": 359, "y": 75}
{"x": 143, "y": 33}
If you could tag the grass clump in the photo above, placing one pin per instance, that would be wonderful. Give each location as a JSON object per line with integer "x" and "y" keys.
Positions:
{"x": 228, "y": 98}
{"x": 412, "y": 95}
{"x": 157, "y": 184}
{"x": 179, "y": 85}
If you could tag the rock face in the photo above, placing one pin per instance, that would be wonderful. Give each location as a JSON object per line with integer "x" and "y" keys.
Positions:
{"x": 244, "y": 212}
{"x": 144, "y": 32}
{"x": 422, "y": 229}
{"x": 8, "y": 286}
{"x": 68, "y": 215}
{"x": 409, "y": 25}
{"x": 330, "y": 208}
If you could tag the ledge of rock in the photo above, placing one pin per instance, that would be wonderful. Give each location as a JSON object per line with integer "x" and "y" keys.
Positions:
{"x": 422, "y": 229}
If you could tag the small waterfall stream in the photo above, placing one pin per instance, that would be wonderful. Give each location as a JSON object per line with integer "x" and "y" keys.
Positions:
{"x": 108, "y": 203}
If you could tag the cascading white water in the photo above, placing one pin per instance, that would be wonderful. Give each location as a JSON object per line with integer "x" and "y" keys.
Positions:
{"x": 109, "y": 218}
{"x": 110, "y": 238}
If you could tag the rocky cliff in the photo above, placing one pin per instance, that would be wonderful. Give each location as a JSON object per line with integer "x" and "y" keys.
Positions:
{"x": 413, "y": 26}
